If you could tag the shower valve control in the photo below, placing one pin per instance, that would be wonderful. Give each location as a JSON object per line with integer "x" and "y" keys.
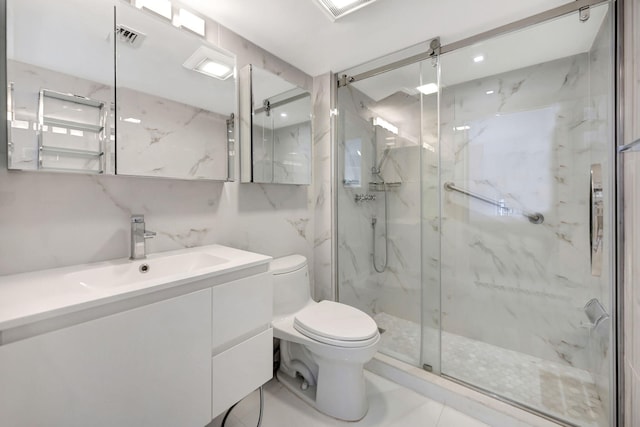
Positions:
{"x": 365, "y": 197}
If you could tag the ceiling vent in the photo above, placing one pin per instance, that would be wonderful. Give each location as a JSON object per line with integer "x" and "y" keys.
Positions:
{"x": 129, "y": 36}
{"x": 340, "y": 8}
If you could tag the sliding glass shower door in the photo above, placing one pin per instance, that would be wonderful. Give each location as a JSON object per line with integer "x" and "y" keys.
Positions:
{"x": 526, "y": 199}
{"x": 475, "y": 208}
{"x": 380, "y": 154}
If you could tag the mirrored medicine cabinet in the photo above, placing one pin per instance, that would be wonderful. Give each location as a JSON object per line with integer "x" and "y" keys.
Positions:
{"x": 275, "y": 129}
{"x": 103, "y": 87}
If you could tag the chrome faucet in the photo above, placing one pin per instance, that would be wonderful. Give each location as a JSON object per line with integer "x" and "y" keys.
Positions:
{"x": 139, "y": 237}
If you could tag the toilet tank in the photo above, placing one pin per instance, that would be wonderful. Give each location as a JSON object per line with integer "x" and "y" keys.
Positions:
{"x": 291, "y": 288}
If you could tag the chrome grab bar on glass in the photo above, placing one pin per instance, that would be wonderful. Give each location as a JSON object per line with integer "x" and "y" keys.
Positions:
{"x": 534, "y": 218}
{"x": 596, "y": 209}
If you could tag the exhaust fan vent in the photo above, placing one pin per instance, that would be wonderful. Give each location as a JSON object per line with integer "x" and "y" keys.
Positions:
{"x": 129, "y": 36}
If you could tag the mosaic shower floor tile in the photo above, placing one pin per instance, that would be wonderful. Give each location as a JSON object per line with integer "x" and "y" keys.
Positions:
{"x": 562, "y": 391}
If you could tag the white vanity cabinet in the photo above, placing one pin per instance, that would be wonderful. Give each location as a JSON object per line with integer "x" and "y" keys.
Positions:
{"x": 111, "y": 344}
{"x": 149, "y": 366}
{"x": 242, "y": 339}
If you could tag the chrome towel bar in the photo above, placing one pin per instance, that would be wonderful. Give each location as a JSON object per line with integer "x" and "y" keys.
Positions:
{"x": 534, "y": 218}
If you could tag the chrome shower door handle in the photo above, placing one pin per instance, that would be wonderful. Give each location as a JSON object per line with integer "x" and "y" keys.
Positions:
{"x": 596, "y": 208}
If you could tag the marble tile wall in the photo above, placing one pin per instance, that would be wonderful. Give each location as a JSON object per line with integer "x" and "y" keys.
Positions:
{"x": 50, "y": 220}
{"x": 283, "y": 155}
{"x": 292, "y": 154}
{"x": 397, "y": 290}
{"x": 322, "y": 200}
{"x": 525, "y": 284}
{"x": 262, "y": 154}
{"x": 172, "y": 139}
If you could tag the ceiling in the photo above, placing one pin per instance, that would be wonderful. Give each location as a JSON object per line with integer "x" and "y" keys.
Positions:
{"x": 302, "y": 34}
{"x": 558, "y": 38}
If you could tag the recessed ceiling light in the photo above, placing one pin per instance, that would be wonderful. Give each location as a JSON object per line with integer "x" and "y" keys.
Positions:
{"x": 460, "y": 128}
{"x": 283, "y": 115}
{"x": 55, "y": 129}
{"x": 377, "y": 121}
{"x": 478, "y": 58}
{"x": 213, "y": 69}
{"x": 132, "y": 120}
{"x": 211, "y": 63}
{"x": 339, "y": 8}
{"x": 428, "y": 89}
{"x": 489, "y": 92}
{"x": 19, "y": 124}
{"x": 188, "y": 20}
{"x": 161, "y": 7}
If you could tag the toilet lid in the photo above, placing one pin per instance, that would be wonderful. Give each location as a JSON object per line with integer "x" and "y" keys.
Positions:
{"x": 330, "y": 321}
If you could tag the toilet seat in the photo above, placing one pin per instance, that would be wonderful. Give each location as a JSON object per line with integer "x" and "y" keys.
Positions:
{"x": 336, "y": 324}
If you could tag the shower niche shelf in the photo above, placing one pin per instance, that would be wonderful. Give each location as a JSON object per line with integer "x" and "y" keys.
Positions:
{"x": 71, "y": 133}
{"x": 383, "y": 186}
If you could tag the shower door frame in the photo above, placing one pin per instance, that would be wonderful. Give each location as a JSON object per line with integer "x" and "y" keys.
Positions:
{"x": 338, "y": 80}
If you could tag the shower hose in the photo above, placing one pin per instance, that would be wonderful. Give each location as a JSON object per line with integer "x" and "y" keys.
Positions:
{"x": 386, "y": 239}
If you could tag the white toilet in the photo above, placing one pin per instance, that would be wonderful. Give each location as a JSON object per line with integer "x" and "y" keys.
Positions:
{"x": 323, "y": 346}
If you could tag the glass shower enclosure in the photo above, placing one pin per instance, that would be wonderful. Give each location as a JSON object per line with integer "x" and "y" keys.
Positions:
{"x": 474, "y": 211}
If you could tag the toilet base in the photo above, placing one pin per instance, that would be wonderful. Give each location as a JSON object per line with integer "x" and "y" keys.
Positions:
{"x": 344, "y": 403}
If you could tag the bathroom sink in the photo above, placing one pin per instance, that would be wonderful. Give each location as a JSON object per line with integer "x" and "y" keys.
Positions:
{"x": 45, "y": 294}
{"x": 127, "y": 273}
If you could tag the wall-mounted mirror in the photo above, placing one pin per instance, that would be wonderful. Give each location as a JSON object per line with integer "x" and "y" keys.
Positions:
{"x": 161, "y": 112}
{"x": 59, "y": 85}
{"x": 275, "y": 131}
{"x": 175, "y": 93}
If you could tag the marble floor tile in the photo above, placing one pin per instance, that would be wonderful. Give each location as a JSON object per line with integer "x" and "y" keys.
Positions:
{"x": 232, "y": 421}
{"x": 452, "y": 418}
{"x": 391, "y": 405}
{"x": 426, "y": 415}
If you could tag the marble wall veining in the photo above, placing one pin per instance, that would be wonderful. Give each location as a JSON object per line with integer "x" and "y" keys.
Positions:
{"x": 531, "y": 142}
{"x": 169, "y": 139}
{"x": 526, "y": 144}
{"x": 322, "y": 177}
{"x": 292, "y": 154}
{"x": 396, "y": 211}
{"x": 50, "y": 220}
{"x": 283, "y": 155}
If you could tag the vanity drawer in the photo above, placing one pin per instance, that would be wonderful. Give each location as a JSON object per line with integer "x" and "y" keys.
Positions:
{"x": 241, "y": 308}
{"x": 240, "y": 370}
